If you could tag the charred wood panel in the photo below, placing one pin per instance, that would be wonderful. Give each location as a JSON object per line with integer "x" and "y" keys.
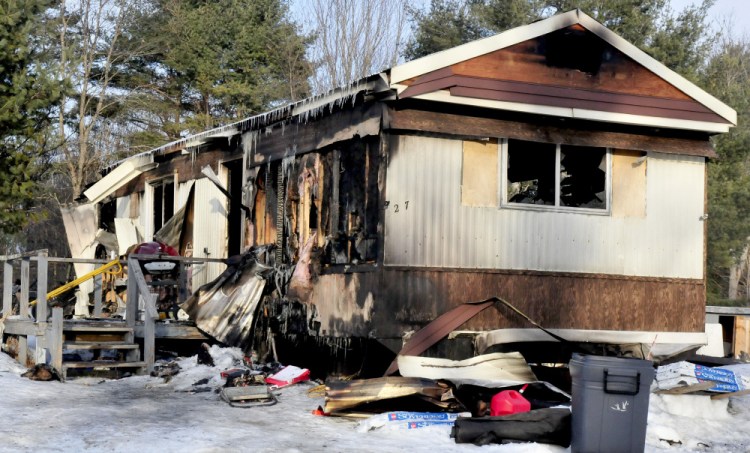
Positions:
{"x": 187, "y": 167}
{"x": 463, "y": 125}
{"x": 290, "y": 139}
{"x": 595, "y": 65}
{"x": 388, "y": 302}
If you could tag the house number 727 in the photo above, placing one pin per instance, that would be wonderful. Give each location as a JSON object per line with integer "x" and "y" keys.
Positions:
{"x": 396, "y": 207}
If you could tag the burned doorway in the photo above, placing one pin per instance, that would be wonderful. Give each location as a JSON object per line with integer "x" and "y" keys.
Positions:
{"x": 234, "y": 219}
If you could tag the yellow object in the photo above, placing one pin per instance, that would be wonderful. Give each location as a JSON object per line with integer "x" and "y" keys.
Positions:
{"x": 102, "y": 270}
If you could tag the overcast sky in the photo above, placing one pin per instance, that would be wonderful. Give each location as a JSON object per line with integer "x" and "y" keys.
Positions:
{"x": 737, "y": 12}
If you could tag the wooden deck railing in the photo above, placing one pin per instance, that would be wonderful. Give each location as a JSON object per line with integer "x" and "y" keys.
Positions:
{"x": 49, "y": 329}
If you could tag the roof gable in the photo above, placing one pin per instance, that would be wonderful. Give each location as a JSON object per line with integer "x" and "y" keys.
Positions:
{"x": 566, "y": 65}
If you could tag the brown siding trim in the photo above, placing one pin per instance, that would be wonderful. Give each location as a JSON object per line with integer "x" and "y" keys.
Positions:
{"x": 556, "y": 96}
{"x": 434, "y": 75}
{"x": 408, "y": 300}
{"x": 535, "y": 273}
{"x": 610, "y": 106}
{"x": 482, "y": 127}
{"x": 581, "y": 94}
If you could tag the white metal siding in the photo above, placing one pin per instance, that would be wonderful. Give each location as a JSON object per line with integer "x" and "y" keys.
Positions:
{"x": 122, "y": 207}
{"x": 147, "y": 213}
{"x": 209, "y": 230}
{"x": 437, "y": 231}
{"x": 183, "y": 190}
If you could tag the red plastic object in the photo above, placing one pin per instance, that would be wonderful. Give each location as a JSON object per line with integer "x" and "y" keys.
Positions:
{"x": 155, "y": 248}
{"x": 508, "y": 402}
{"x": 289, "y": 375}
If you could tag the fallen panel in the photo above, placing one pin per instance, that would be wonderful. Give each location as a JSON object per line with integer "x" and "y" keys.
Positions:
{"x": 496, "y": 370}
{"x": 440, "y": 328}
{"x": 341, "y": 395}
{"x": 127, "y": 234}
{"x": 657, "y": 345}
{"x": 226, "y": 311}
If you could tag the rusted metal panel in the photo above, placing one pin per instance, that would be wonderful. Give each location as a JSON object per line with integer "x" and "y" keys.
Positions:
{"x": 426, "y": 224}
{"x": 386, "y": 303}
{"x": 439, "y": 328}
{"x": 226, "y": 312}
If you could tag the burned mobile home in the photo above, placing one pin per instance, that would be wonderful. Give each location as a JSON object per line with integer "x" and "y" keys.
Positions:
{"x": 554, "y": 165}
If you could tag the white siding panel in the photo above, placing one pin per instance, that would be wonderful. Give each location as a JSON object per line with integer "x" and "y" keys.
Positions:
{"x": 209, "y": 231}
{"x": 437, "y": 231}
{"x": 122, "y": 207}
{"x": 183, "y": 190}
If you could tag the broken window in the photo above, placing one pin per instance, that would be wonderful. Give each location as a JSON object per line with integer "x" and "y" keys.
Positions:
{"x": 163, "y": 205}
{"x": 556, "y": 175}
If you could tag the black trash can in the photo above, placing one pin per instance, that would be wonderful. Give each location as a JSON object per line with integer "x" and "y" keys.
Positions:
{"x": 610, "y": 403}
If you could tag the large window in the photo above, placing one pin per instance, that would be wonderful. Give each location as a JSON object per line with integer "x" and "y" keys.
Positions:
{"x": 554, "y": 175}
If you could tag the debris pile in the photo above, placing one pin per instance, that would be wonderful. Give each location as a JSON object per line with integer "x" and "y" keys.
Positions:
{"x": 686, "y": 377}
{"x": 458, "y": 394}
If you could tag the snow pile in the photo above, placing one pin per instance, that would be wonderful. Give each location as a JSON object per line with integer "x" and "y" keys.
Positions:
{"x": 695, "y": 422}
{"x": 144, "y": 413}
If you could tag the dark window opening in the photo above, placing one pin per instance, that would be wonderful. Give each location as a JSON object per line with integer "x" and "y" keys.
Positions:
{"x": 234, "y": 220}
{"x": 531, "y": 172}
{"x": 556, "y": 175}
{"x": 163, "y": 207}
{"x": 582, "y": 177}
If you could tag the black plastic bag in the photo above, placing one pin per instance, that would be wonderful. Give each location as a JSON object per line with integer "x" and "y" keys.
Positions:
{"x": 547, "y": 426}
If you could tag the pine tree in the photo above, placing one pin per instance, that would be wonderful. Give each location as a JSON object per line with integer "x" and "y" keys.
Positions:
{"x": 727, "y": 76}
{"x": 28, "y": 95}
{"x": 679, "y": 40}
{"x": 209, "y": 63}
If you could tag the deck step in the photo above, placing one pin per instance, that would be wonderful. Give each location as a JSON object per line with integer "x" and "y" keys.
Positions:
{"x": 103, "y": 364}
{"x": 97, "y": 329}
{"x": 99, "y": 345}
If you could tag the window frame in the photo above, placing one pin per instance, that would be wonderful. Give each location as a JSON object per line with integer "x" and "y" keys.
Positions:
{"x": 557, "y": 207}
{"x": 150, "y": 201}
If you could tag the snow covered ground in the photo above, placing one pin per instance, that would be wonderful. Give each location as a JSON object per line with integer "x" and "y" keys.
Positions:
{"x": 145, "y": 414}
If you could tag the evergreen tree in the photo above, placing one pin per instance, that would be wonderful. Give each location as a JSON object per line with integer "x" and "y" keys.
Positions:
{"x": 682, "y": 41}
{"x": 28, "y": 95}
{"x": 727, "y": 76}
{"x": 209, "y": 63}
{"x": 446, "y": 24}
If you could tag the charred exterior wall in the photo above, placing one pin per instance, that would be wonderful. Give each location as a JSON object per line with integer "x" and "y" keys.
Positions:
{"x": 328, "y": 198}
{"x": 388, "y": 302}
